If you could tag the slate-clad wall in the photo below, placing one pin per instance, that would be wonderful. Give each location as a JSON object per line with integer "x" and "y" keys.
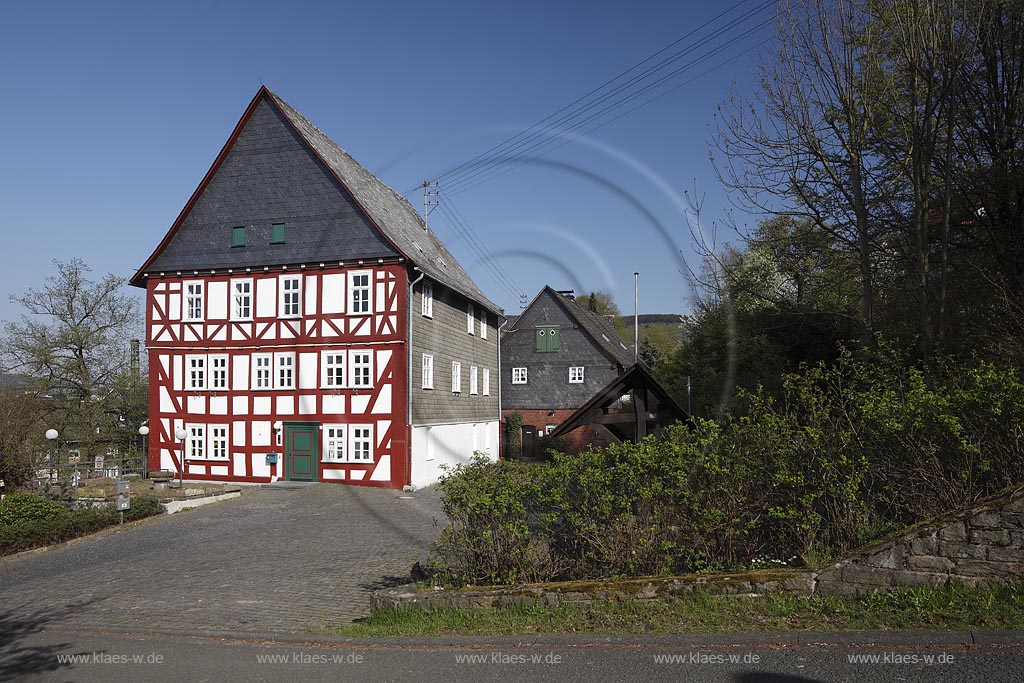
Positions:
{"x": 445, "y": 336}
{"x": 270, "y": 176}
{"x": 548, "y": 373}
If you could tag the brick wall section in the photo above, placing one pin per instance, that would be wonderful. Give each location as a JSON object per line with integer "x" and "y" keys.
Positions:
{"x": 574, "y": 442}
{"x": 445, "y": 336}
{"x": 982, "y": 544}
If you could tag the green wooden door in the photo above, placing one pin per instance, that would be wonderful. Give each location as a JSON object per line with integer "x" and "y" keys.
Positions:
{"x": 301, "y": 449}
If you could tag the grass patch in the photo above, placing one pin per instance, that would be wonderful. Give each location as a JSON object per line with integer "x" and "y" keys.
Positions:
{"x": 951, "y": 608}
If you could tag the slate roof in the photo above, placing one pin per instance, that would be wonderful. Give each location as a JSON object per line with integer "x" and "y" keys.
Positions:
{"x": 390, "y": 212}
{"x": 597, "y": 327}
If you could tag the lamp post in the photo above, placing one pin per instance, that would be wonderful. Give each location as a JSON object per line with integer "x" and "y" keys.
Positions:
{"x": 51, "y": 436}
{"x": 180, "y": 435}
{"x": 143, "y": 431}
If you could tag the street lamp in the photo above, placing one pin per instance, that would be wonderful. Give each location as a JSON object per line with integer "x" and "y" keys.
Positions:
{"x": 143, "y": 432}
{"x": 180, "y": 435}
{"x": 51, "y": 435}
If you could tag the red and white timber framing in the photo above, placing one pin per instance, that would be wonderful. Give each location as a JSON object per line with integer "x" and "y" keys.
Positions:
{"x": 238, "y": 402}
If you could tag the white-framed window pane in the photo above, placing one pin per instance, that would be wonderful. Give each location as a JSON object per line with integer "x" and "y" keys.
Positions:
{"x": 285, "y": 370}
{"x": 333, "y": 369}
{"x": 472, "y": 380}
{"x": 427, "y": 299}
{"x": 359, "y": 292}
{"x": 194, "y": 301}
{"x": 196, "y": 447}
{"x": 518, "y": 375}
{"x": 361, "y": 364}
{"x": 428, "y": 371}
{"x": 241, "y": 299}
{"x": 291, "y": 296}
{"x": 456, "y": 377}
{"x": 483, "y": 324}
{"x": 487, "y": 382}
{"x": 334, "y": 442}
{"x": 361, "y": 443}
{"x": 470, "y": 317}
{"x": 195, "y": 373}
{"x": 218, "y": 372}
{"x": 576, "y": 375}
{"x": 219, "y": 441}
{"x": 261, "y": 371}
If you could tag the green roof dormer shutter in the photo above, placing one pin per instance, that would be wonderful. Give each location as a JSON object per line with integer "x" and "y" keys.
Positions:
{"x": 238, "y": 236}
{"x": 277, "y": 233}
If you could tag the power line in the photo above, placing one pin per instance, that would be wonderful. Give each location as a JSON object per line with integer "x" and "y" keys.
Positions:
{"x": 490, "y": 164}
{"x": 566, "y": 137}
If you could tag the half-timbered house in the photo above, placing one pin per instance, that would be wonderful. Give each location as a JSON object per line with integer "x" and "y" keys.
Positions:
{"x": 304, "y": 324}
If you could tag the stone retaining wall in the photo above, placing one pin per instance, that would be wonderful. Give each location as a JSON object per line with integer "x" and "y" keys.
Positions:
{"x": 976, "y": 546}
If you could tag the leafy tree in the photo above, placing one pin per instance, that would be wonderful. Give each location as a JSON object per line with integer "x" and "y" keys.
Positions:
{"x": 75, "y": 340}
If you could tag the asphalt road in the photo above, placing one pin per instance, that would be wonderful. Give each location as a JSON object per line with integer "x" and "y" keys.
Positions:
{"x": 61, "y": 655}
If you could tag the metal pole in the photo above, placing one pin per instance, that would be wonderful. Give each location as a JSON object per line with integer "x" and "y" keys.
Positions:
{"x": 181, "y": 466}
{"x": 51, "y": 459}
{"x": 145, "y": 459}
{"x": 636, "y": 317}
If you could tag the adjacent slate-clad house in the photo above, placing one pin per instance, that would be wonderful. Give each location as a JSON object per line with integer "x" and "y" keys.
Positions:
{"x": 278, "y": 313}
{"x": 555, "y": 357}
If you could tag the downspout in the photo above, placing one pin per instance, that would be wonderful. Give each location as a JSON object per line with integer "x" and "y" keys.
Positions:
{"x": 499, "y": 380}
{"x": 408, "y": 379}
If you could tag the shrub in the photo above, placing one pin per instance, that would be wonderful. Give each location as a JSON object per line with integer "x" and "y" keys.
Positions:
{"x": 855, "y": 449}
{"x": 23, "y": 507}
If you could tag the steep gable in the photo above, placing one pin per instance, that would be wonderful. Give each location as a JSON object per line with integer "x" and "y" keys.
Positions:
{"x": 277, "y": 167}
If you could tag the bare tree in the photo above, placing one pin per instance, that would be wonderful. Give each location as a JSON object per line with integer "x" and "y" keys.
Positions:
{"x": 803, "y": 146}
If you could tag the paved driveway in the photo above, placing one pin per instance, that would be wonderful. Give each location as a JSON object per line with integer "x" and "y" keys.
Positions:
{"x": 294, "y": 560}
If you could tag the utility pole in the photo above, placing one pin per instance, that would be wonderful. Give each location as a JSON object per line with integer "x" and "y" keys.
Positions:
{"x": 636, "y": 318}
{"x": 430, "y": 193}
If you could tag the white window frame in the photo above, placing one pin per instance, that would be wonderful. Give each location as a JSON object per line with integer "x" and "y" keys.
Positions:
{"x": 483, "y": 324}
{"x": 473, "y": 376}
{"x": 519, "y": 376}
{"x": 355, "y": 364}
{"x": 284, "y": 360}
{"x": 576, "y": 374}
{"x": 284, "y": 293}
{"x": 427, "y": 370}
{"x": 456, "y": 377}
{"x": 195, "y": 442}
{"x": 195, "y": 372}
{"x": 470, "y": 318}
{"x": 217, "y": 369}
{"x": 194, "y": 304}
{"x": 549, "y": 429}
{"x": 218, "y": 442}
{"x": 427, "y": 299}
{"x": 486, "y": 389}
{"x": 335, "y": 447}
{"x": 353, "y": 309}
{"x": 335, "y": 379}
{"x": 354, "y": 441}
{"x": 268, "y": 368}
{"x": 241, "y": 309}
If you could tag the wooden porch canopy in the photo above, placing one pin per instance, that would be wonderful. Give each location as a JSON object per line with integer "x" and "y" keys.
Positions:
{"x": 633, "y": 423}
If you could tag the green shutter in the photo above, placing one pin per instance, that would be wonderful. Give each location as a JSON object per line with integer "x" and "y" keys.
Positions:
{"x": 277, "y": 233}
{"x": 238, "y": 237}
{"x": 547, "y": 339}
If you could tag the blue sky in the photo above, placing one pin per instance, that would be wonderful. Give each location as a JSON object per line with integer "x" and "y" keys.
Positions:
{"x": 112, "y": 112}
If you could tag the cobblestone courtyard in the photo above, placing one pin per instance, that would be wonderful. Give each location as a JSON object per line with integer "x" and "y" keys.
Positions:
{"x": 274, "y": 560}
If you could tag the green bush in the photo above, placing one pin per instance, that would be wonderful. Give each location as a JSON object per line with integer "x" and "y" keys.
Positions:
{"x": 38, "y": 531}
{"x": 23, "y": 507}
{"x": 855, "y": 449}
